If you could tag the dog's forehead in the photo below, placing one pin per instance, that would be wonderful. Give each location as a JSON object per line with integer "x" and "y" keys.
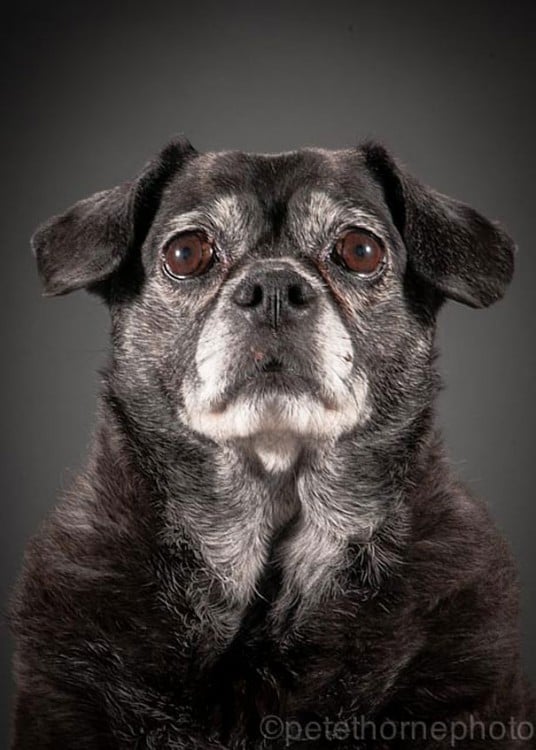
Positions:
{"x": 236, "y": 189}
{"x": 275, "y": 176}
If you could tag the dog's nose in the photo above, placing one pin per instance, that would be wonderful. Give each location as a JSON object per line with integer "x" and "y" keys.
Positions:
{"x": 275, "y": 296}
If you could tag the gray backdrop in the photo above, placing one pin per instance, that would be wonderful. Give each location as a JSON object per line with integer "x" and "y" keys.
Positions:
{"x": 91, "y": 91}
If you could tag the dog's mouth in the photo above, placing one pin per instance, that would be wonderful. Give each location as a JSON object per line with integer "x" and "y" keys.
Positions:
{"x": 272, "y": 378}
{"x": 270, "y": 364}
{"x": 275, "y": 390}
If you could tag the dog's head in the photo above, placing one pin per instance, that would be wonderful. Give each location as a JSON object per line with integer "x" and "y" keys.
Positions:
{"x": 273, "y": 297}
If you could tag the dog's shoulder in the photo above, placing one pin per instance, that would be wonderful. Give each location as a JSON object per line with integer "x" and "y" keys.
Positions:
{"x": 95, "y": 610}
{"x": 465, "y": 591}
{"x": 456, "y": 538}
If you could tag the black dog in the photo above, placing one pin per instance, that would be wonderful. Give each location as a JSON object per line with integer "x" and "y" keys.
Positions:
{"x": 267, "y": 547}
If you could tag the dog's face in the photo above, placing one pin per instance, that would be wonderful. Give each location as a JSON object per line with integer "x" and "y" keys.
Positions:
{"x": 274, "y": 299}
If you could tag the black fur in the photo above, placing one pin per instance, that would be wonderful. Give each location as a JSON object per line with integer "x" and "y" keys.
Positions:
{"x": 153, "y": 610}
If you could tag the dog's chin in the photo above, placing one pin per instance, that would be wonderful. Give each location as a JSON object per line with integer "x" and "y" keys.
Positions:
{"x": 275, "y": 417}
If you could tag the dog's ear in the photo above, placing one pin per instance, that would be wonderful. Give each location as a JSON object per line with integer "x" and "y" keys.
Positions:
{"x": 454, "y": 248}
{"x": 85, "y": 245}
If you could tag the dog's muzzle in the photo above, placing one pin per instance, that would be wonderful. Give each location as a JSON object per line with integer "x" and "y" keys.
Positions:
{"x": 275, "y": 297}
{"x": 275, "y": 358}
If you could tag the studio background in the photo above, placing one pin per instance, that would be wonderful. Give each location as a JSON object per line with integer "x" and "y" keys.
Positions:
{"x": 92, "y": 90}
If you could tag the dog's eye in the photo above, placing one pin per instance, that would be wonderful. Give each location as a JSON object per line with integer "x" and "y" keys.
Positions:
{"x": 187, "y": 254}
{"x": 360, "y": 252}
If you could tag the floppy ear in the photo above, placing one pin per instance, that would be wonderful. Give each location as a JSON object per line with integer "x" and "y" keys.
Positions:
{"x": 87, "y": 244}
{"x": 453, "y": 247}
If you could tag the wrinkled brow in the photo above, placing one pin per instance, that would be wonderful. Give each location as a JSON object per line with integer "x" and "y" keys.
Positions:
{"x": 312, "y": 219}
{"x": 236, "y": 216}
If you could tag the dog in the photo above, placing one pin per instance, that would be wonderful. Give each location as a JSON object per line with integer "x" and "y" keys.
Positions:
{"x": 267, "y": 547}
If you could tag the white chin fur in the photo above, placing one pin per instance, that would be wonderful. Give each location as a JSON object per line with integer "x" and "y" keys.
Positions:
{"x": 278, "y": 421}
{"x": 277, "y": 452}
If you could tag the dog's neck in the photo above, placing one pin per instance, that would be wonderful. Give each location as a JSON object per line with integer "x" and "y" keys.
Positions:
{"x": 244, "y": 517}
{"x": 277, "y": 452}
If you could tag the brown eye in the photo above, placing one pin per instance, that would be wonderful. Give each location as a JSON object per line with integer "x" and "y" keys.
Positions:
{"x": 360, "y": 252}
{"x": 187, "y": 254}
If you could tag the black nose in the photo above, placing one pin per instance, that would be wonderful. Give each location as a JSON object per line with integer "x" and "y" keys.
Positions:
{"x": 275, "y": 296}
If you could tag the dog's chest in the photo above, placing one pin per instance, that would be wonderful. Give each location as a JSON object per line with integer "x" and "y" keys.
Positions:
{"x": 301, "y": 526}
{"x": 326, "y": 664}
{"x": 286, "y": 584}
